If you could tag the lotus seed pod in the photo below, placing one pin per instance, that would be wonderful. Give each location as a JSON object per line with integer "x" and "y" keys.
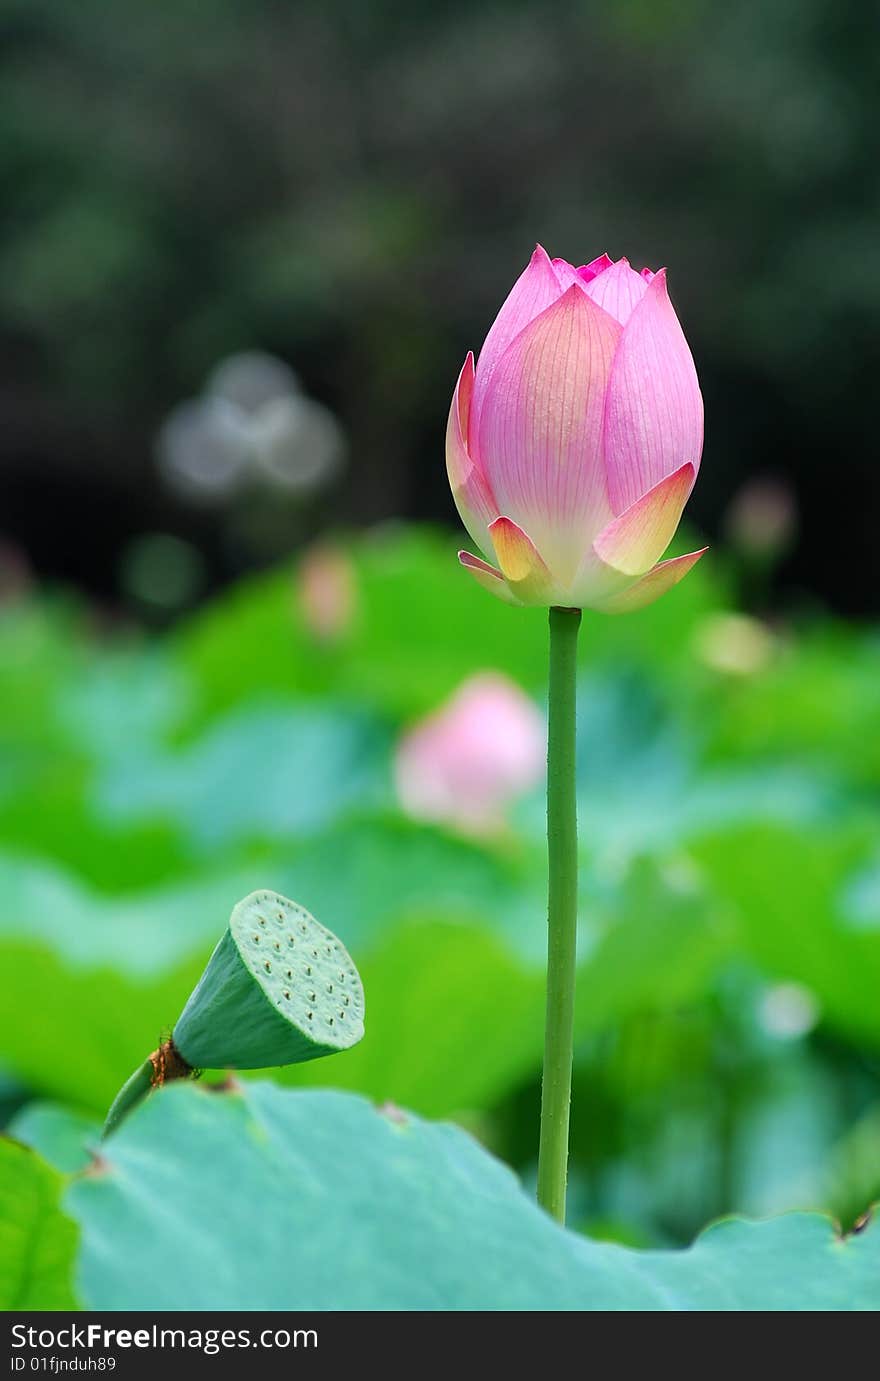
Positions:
{"x": 279, "y": 989}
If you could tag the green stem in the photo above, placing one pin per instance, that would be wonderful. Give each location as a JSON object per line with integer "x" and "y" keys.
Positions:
{"x": 131, "y": 1093}
{"x": 561, "y": 912}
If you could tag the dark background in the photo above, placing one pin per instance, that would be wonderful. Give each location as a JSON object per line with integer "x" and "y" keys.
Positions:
{"x": 354, "y": 187}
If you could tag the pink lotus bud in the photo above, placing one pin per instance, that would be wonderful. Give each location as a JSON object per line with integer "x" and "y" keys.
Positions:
{"x": 573, "y": 446}
{"x": 468, "y": 761}
{"x": 326, "y": 590}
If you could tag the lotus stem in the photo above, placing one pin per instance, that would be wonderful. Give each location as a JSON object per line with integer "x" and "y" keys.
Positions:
{"x": 131, "y": 1093}
{"x": 164, "y": 1064}
{"x": 561, "y": 912}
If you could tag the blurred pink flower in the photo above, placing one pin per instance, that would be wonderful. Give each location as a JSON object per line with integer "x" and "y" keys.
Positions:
{"x": 465, "y": 763}
{"x": 15, "y": 573}
{"x": 326, "y": 592}
{"x": 762, "y": 518}
{"x": 573, "y": 446}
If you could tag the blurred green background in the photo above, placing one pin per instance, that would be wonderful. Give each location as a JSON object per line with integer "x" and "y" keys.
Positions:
{"x": 243, "y": 251}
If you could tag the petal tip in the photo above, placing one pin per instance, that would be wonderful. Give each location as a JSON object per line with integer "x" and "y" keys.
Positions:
{"x": 472, "y": 562}
{"x": 488, "y": 577}
{"x": 657, "y": 582}
{"x": 587, "y": 272}
{"x": 521, "y": 563}
{"x": 634, "y": 540}
{"x": 573, "y": 298}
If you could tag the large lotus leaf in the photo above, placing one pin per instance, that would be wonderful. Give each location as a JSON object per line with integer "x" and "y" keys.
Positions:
{"x": 818, "y": 700}
{"x": 272, "y": 1199}
{"x": 40, "y": 648}
{"x": 63, "y": 1136}
{"x": 264, "y": 772}
{"x": 799, "y": 905}
{"x": 67, "y": 705}
{"x": 123, "y": 695}
{"x": 37, "y": 1241}
{"x": 644, "y": 786}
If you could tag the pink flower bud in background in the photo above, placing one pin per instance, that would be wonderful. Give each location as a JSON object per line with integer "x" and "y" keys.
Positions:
{"x": 326, "y": 592}
{"x": 15, "y": 573}
{"x": 464, "y": 764}
{"x": 761, "y": 521}
{"x": 574, "y": 444}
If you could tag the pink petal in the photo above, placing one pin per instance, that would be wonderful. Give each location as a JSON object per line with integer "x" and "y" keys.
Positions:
{"x": 540, "y": 436}
{"x": 595, "y": 583}
{"x": 488, "y": 577}
{"x": 651, "y": 586}
{"x": 654, "y": 411}
{"x": 566, "y": 274}
{"x": 472, "y": 495}
{"x": 464, "y": 390}
{"x": 535, "y": 289}
{"x": 521, "y": 563}
{"x": 647, "y": 274}
{"x": 619, "y": 290}
{"x": 589, "y": 271}
{"x": 640, "y": 536}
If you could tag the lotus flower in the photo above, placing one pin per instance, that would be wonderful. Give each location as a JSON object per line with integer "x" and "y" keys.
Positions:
{"x": 465, "y": 763}
{"x": 574, "y": 444}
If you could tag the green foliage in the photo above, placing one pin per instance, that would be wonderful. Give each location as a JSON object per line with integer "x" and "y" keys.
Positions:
{"x": 37, "y": 1241}
{"x": 63, "y": 1137}
{"x": 264, "y": 1199}
{"x": 819, "y": 935}
{"x": 729, "y": 950}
